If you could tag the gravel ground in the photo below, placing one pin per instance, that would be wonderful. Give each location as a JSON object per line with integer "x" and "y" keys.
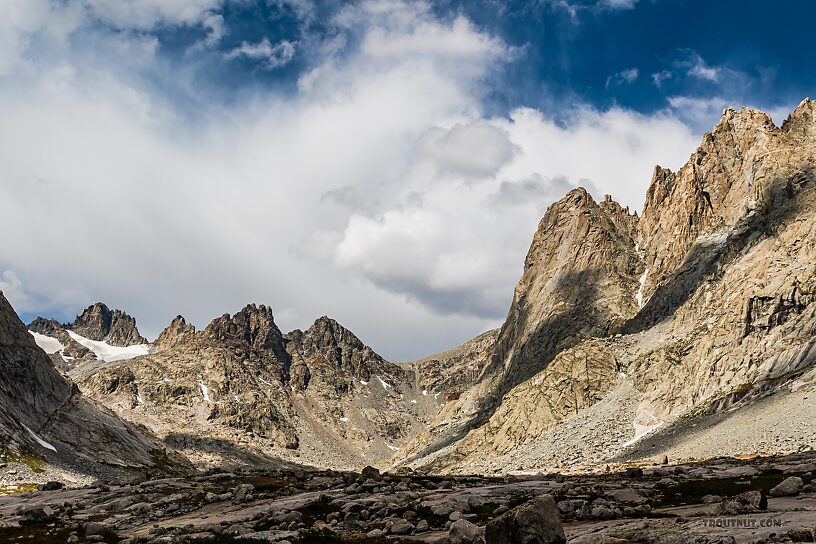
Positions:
{"x": 784, "y": 422}
{"x": 598, "y": 436}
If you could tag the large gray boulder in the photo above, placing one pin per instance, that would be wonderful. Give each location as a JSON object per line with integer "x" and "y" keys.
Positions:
{"x": 789, "y": 487}
{"x": 536, "y": 522}
{"x": 464, "y": 532}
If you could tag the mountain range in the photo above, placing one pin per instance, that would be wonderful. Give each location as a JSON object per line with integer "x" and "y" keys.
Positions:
{"x": 667, "y": 333}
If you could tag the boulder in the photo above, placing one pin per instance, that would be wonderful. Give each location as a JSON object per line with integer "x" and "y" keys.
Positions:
{"x": 243, "y": 491}
{"x": 401, "y": 527}
{"x": 635, "y": 472}
{"x": 536, "y": 522}
{"x": 789, "y": 487}
{"x": 746, "y": 503}
{"x": 35, "y": 514}
{"x": 372, "y": 473}
{"x": 464, "y": 532}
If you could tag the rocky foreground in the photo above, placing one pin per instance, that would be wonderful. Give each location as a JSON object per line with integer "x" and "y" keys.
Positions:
{"x": 769, "y": 499}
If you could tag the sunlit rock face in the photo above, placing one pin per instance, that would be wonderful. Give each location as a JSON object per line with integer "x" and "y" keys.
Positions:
{"x": 637, "y": 323}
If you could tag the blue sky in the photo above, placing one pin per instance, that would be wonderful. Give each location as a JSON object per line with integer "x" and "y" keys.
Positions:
{"x": 635, "y": 54}
{"x": 384, "y": 162}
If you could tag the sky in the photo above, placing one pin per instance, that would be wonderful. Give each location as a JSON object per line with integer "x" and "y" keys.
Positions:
{"x": 382, "y": 162}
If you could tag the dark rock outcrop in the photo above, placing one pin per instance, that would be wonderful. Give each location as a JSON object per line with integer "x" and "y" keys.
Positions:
{"x": 98, "y": 322}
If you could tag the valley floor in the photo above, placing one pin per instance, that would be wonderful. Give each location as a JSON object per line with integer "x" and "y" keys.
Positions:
{"x": 717, "y": 501}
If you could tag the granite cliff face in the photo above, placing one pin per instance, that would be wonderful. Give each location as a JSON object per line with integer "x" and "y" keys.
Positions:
{"x": 639, "y": 325}
{"x": 43, "y": 414}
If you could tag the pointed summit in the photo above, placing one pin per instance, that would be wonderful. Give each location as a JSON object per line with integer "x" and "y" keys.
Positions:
{"x": 578, "y": 279}
{"x": 253, "y": 325}
{"x": 98, "y": 322}
{"x": 175, "y": 333}
{"x": 326, "y": 341}
{"x": 801, "y": 123}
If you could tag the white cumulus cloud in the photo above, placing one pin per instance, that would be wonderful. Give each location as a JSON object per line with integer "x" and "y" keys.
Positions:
{"x": 379, "y": 193}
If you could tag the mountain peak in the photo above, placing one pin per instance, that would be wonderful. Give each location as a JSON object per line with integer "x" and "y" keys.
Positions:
{"x": 802, "y": 121}
{"x": 98, "y": 322}
{"x": 254, "y": 326}
{"x": 43, "y": 412}
{"x": 175, "y": 333}
{"x": 743, "y": 119}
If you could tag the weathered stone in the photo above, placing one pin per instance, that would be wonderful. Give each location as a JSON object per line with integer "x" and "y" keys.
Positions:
{"x": 536, "y": 522}
{"x": 465, "y": 532}
{"x": 401, "y": 527}
{"x": 372, "y": 473}
{"x": 788, "y": 487}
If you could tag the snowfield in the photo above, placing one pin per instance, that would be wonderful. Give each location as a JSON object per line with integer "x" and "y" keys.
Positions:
{"x": 48, "y": 344}
{"x": 109, "y": 353}
{"x": 639, "y": 294}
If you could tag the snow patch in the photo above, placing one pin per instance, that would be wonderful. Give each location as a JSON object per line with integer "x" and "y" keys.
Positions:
{"x": 644, "y": 423}
{"x": 109, "y": 353}
{"x": 424, "y": 392}
{"x": 639, "y": 294}
{"x": 344, "y": 419}
{"x": 39, "y": 440}
{"x": 47, "y": 343}
{"x": 363, "y": 382}
{"x": 205, "y": 391}
{"x": 392, "y": 448}
{"x": 384, "y": 384}
{"x": 413, "y": 401}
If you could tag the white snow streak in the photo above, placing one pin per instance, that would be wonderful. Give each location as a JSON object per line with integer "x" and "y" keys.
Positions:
{"x": 392, "y": 448}
{"x": 205, "y": 391}
{"x": 639, "y": 295}
{"x": 48, "y": 344}
{"x": 109, "y": 353}
{"x": 39, "y": 440}
{"x": 385, "y": 385}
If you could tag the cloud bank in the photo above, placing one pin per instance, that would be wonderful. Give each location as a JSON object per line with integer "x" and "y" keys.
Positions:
{"x": 379, "y": 192}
